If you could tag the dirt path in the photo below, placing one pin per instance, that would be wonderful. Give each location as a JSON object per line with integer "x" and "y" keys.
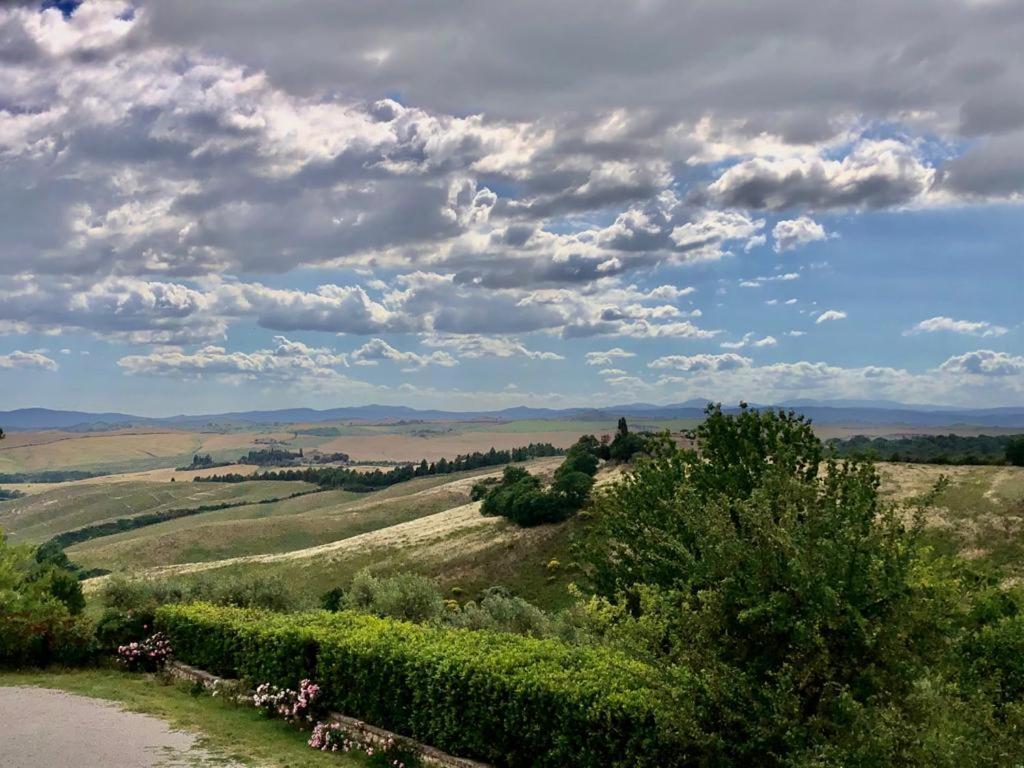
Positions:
{"x": 43, "y": 727}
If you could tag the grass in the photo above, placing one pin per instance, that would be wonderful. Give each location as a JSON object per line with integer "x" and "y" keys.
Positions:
{"x": 40, "y": 516}
{"x": 201, "y": 539}
{"x": 233, "y": 733}
{"x": 284, "y": 526}
{"x": 980, "y": 514}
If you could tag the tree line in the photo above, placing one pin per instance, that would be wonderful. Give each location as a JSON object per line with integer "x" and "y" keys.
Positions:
{"x": 344, "y": 478}
{"x": 935, "y": 449}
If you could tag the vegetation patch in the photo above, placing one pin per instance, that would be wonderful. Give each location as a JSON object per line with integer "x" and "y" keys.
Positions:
{"x": 509, "y": 700}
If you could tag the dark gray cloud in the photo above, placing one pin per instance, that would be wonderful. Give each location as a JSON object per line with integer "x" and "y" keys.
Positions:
{"x": 159, "y": 172}
{"x": 527, "y": 58}
{"x": 993, "y": 169}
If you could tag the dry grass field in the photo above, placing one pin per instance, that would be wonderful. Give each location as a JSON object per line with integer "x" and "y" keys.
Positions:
{"x": 133, "y": 451}
{"x": 74, "y": 505}
{"x": 428, "y": 525}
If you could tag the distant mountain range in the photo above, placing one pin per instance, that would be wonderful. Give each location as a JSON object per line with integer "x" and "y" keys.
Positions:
{"x": 867, "y": 412}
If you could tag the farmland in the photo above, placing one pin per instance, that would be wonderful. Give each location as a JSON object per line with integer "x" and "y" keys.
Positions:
{"x": 427, "y": 525}
{"x": 74, "y": 505}
{"x": 291, "y": 545}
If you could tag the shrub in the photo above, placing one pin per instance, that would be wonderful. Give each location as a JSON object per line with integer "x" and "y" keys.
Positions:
{"x": 333, "y": 599}
{"x": 149, "y": 655}
{"x": 1015, "y": 452}
{"x": 503, "y": 613}
{"x": 520, "y": 498}
{"x": 298, "y": 707}
{"x": 996, "y": 655}
{"x": 243, "y": 591}
{"x": 116, "y": 627}
{"x": 331, "y": 737}
{"x": 510, "y": 700}
{"x": 405, "y": 596}
{"x": 39, "y": 607}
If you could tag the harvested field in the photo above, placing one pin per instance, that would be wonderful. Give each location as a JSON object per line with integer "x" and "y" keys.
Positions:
{"x": 38, "y": 517}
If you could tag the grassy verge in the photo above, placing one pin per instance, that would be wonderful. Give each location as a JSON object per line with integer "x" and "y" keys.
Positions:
{"x": 231, "y": 732}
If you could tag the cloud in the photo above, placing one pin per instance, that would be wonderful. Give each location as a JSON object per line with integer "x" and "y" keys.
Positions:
{"x": 757, "y": 282}
{"x": 165, "y": 182}
{"x": 749, "y": 340}
{"x": 378, "y": 350}
{"x": 289, "y": 361}
{"x": 989, "y": 170}
{"x": 608, "y": 357}
{"x": 965, "y": 327}
{"x": 489, "y": 346}
{"x": 712, "y": 228}
{"x": 724, "y": 362}
{"x": 790, "y": 234}
{"x": 830, "y": 314}
{"x": 959, "y": 380}
{"x": 25, "y": 360}
{"x": 985, "y": 362}
{"x": 876, "y": 174}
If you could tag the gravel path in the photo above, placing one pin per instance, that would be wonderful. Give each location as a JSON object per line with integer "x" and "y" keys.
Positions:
{"x": 44, "y": 728}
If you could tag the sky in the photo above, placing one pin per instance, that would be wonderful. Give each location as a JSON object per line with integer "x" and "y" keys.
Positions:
{"x": 468, "y": 204}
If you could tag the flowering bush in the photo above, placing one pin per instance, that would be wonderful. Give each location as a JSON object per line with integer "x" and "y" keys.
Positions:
{"x": 150, "y": 655}
{"x": 331, "y": 737}
{"x": 296, "y": 707}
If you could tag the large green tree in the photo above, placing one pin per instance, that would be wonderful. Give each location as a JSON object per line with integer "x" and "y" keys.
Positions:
{"x": 782, "y": 583}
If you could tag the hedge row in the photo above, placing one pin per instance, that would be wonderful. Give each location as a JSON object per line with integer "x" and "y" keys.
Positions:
{"x": 121, "y": 524}
{"x": 509, "y": 700}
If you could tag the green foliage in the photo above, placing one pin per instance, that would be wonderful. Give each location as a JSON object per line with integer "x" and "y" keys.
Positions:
{"x": 333, "y": 599}
{"x": 625, "y": 445}
{"x": 934, "y": 449}
{"x": 522, "y": 499}
{"x": 48, "y": 476}
{"x": 995, "y": 657}
{"x": 406, "y": 596}
{"x": 131, "y": 604}
{"x": 349, "y": 479}
{"x": 1015, "y": 452}
{"x": 39, "y": 606}
{"x": 820, "y": 629}
{"x": 510, "y": 700}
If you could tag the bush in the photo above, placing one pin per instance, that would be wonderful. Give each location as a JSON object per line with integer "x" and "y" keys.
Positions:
{"x": 504, "y": 614}
{"x": 996, "y": 656}
{"x": 298, "y": 707}
{"x": 333, "y": 599}
{"x": 149, "y": 655}
{"x": 245, "y": 591}
{"x": 1015, "y": 452}
{"x": 117, "y": 627}
{"x": 39, "y": 606}
{"x": 509, "y": 700}
{"x": 405, "y": 596}
{"x": 520, "y": 498}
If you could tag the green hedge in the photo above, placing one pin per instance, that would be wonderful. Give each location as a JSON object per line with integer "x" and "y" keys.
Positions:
{"x": 506, "y": 699}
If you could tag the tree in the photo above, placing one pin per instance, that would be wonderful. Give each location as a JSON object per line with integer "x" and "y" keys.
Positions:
{"x": 1015, "y": 452}
{"x": 38, "y": 606}
{"x": 572, "y": 488}
{"x": 625, "y": 445}
{"x": 793, "y": 591}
